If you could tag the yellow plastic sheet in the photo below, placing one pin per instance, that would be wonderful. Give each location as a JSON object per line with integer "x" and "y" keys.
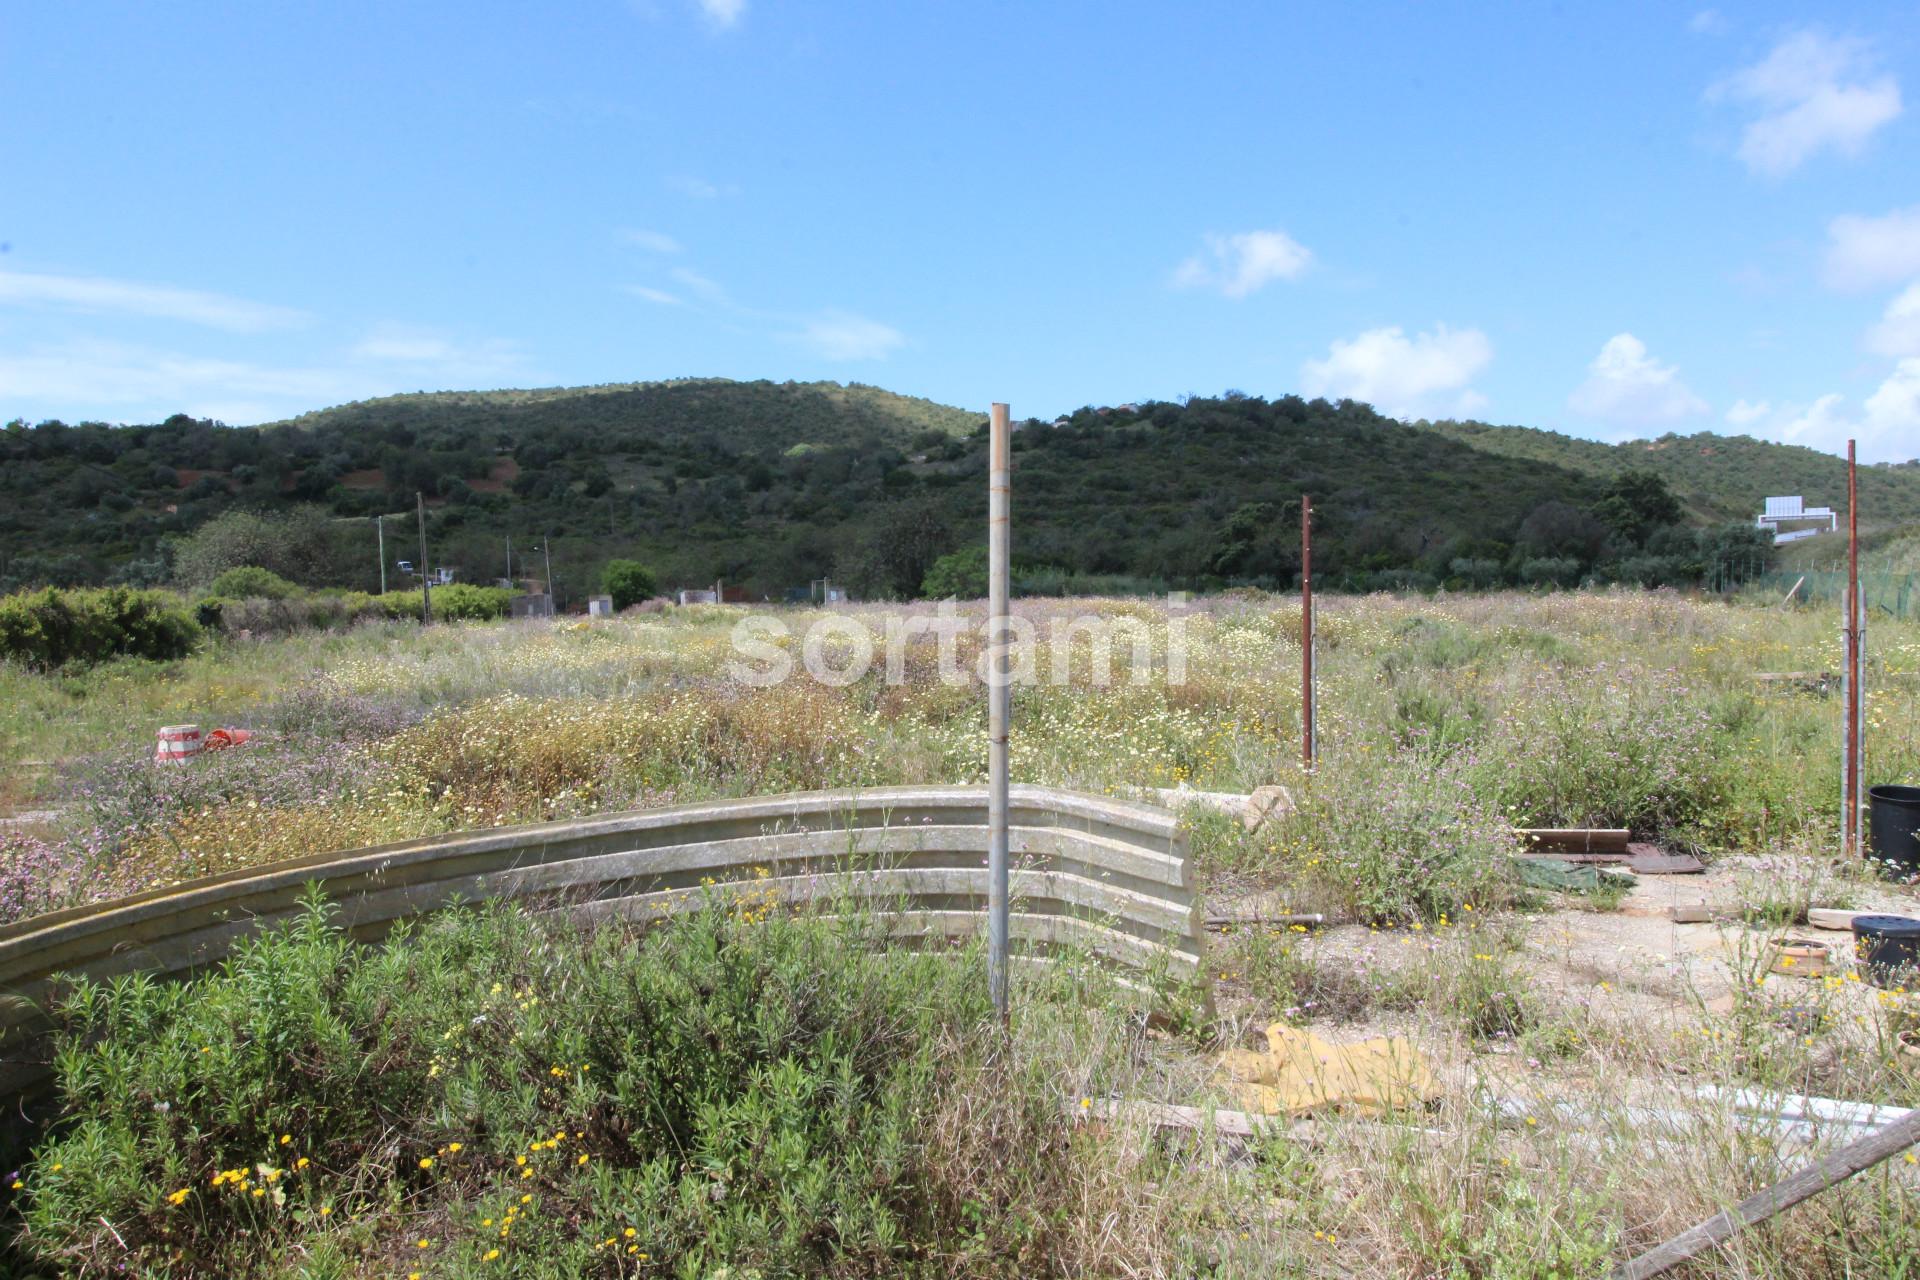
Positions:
{"x": 1300, "y": 1072}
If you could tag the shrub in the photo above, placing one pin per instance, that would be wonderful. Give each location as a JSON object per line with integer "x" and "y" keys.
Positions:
{"x": 1616, "y": 745}
{"x": 961, "y": 574}
{"x": 251, "y": 582}
{"x": 1401, "y": 840}
{"x": 628, "y": 582}
{"x": 52, "y": 628}
{"x": 731, "y": 1094}
{"x": 459, "y": 602}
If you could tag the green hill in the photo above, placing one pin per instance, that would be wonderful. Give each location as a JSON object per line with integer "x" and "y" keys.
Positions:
{"x": 769, "y": 485}
{"x": 738, "y": 416}
{"x": 1716, "y": 477}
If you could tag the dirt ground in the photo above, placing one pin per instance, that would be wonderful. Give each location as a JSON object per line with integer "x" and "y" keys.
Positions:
{"x": 1633, "y": 972}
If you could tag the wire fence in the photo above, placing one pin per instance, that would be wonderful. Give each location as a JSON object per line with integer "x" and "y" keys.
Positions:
{"x": 1894, "y": 595}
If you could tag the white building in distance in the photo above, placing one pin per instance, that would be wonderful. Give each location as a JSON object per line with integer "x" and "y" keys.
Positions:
{"x": 1793, "y": 510}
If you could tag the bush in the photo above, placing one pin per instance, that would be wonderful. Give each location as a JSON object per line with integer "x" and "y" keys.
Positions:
{"x": 1401, "y": 839}
{"x": 459, "y": 602}
{"x": 251, "y": 582}
{"x": 961, "y": 574}
{"x": 736, "y": 1093}
{"x": 628, "y": 582}
{"x": 320, "y": 611}
{"x": 52, "y": 628}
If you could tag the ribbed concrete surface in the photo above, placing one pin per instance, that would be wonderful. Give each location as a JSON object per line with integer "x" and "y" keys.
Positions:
{"x": 1091, "y": 874}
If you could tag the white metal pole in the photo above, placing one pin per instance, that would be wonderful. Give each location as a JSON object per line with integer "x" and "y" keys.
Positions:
{"x": 999, "y": 706}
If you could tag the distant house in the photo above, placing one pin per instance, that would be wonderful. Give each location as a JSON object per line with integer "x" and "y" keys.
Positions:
{"x": 697, "y": 595}
{"x": 1792, "y": 510}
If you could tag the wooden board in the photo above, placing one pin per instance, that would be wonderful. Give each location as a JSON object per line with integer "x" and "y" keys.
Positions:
{"x": 1573, "y": 839}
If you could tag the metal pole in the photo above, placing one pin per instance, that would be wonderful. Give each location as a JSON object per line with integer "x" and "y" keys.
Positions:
{"x": 509, "y": 562}
{"x": 546, "y": 550}
{"x": 380, "y": 523}
{"x": 999, "y": 706}
{"x": 426, "y": 586}
{"x": 1306, "y": 632}
{"x": 1850, "y": 780}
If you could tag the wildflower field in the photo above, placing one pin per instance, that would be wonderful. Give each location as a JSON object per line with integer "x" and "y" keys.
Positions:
{"x": 756, "y": 1094}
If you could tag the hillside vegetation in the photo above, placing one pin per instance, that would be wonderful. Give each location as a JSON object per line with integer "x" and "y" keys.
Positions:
{"x": 771, "y": 485}
{"x": 1718, "y": 477}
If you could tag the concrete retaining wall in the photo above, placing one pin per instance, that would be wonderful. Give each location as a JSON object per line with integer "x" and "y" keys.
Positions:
{"x": 1093, "y": 875}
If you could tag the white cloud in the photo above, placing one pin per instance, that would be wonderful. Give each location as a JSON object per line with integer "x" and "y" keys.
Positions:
{"x": 1863, "y": 252}
{"x": 1893, "y": 412}
{"x": 652, "y": 241}
{"x": 1813, "y": 92}
{"x": 1627, "y": 387}
{"x": 1707, "y": 22}
{"x": 698, "y": 188}
{"x": 1401, "y": 376}
{"x": 1240, "y": 264}
{"x": 431, "y": 354}
{"x": 707, "y": 289}
{"x": 101, "y": 296}
{"x": 723, "y": 13}
{"x": 842, "y": 335}
{"x": 142, "y": 384}
{"x": 1887, "y": 428}
{"x": 1744, "y": 414}
{"x": 1821, "y": 425}
{"x": 1898, "y": 333}
{"x": 660, "y": 296}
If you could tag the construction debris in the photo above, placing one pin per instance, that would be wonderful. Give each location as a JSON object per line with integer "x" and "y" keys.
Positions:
{"x": 1573, "y": 839}
{"x": 1300, "y": 1072}
{"x": 1252, "y": 810}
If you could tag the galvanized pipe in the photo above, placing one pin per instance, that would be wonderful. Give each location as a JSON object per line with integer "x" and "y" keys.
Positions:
{"x": 999, "y": 703}
{"x": 1850, "y": 713}
{"x": 1307, "y": 744}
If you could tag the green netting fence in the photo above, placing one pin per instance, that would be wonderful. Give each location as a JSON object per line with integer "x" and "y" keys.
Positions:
{"x": 1894, "y": 595}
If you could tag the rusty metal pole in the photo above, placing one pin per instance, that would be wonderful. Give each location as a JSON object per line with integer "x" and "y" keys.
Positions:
{"x": 1850, "y": 779}
{"x": 999, "y": 704}
{"x": 426, "y": 586}
{"x": 1306, "y": 632}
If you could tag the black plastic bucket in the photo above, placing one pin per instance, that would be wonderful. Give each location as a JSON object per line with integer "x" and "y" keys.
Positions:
{"x": 1893, "y": 828}
{"x": 1888, "y": 948}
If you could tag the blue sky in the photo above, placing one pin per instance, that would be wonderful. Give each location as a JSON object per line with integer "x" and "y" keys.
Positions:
{"x": 1614, "y": 220}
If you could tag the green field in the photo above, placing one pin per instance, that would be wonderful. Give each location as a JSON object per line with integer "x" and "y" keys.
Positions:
{"x": 768, "y": 1096}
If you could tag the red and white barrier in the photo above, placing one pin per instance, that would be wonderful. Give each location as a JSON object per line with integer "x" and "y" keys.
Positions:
{"x": 178, "y": 743}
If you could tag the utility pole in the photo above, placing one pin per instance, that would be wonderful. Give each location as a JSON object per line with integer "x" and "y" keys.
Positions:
{"x": 426, "y": 586}
{"x": 999, "y": 705}
{"x": 509, "y": 562}
{"x": 546, "y": 549}
{"x": 380, "y": 523}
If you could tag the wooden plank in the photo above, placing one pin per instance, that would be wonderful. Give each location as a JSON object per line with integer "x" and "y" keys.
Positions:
{"x": 1573, "y": 839}
{"x": 1832, "y": 918}
{"x": 1836, "y": 1168}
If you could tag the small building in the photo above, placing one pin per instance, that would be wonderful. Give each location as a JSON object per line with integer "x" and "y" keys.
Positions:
{"x": 1792, "y": 510}
{"x": 531, "y": 605}
{"x": 600, "y": 606}
{"x": 696, "y": 595}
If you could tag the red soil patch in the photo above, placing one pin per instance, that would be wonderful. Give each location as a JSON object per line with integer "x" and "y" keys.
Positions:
{"x": 502, "y": 474}
{"x": 368, "y": 478}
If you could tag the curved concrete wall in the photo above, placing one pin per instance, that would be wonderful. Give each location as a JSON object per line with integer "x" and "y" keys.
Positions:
{"x": 1104, "y": 876}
